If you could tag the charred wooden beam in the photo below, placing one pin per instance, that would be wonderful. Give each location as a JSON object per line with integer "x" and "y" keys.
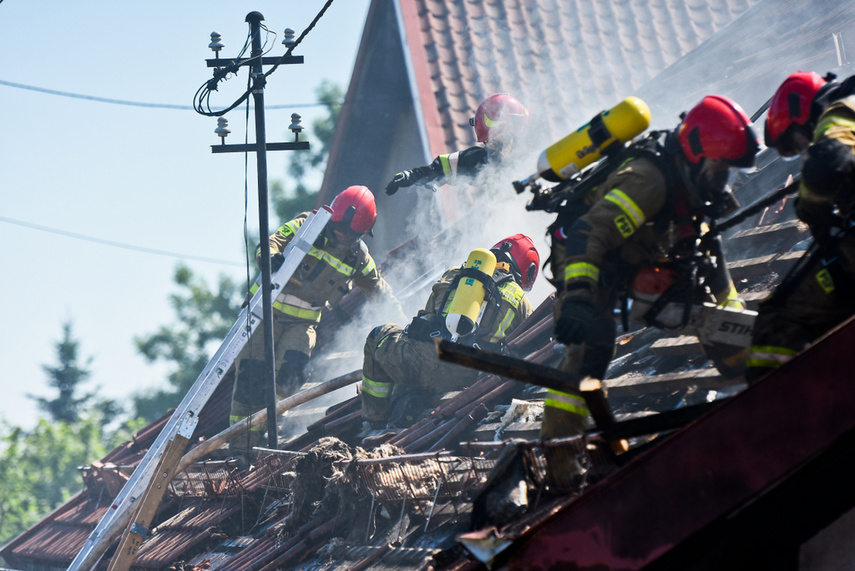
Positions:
{"x": 659, "y": 422}
{"x": 508, "y": 367}
{"x": 532, "y": 373}
{"x": 680, "y": 345}
{"x": 762, "y": 265}
{"x": 792, "y": 230}
{"x": 634, "y": 384}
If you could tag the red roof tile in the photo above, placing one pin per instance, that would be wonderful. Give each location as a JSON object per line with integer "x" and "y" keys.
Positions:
{"x": 579, "y": 56}
{"x": 595, "y": 52}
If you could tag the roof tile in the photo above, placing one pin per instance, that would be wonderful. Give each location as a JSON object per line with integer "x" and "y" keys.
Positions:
{"x": 574, "y": 57}
{"x": 596, "y": 51}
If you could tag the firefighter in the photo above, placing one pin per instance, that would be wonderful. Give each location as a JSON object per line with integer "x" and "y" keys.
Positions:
{"x": 814, "y": 116}
{"x": 338, "y": 259}
{"x": 649, "y": 210}
{"x": 401, "y": 366}
{"x": 497, "y": 122}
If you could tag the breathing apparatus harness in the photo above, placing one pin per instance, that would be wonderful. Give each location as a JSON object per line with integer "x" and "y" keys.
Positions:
{"x": 426, "y": 328}
{"x": 567, "y": 198}
{"x": 693, "y": 266}
{"x": 686, "y": 260}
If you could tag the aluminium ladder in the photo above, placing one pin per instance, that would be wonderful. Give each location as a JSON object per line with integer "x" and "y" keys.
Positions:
{"x": 179, "y": 428}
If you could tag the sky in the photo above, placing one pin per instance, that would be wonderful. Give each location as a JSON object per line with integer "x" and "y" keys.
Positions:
{"x": 100, "y": 200}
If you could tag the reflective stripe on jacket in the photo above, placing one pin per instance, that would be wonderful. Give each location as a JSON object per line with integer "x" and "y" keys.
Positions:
{"x": 327, "y": 273}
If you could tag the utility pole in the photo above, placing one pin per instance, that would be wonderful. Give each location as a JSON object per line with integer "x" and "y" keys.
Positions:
{"x": 258, "y": 81}
{"x": 136, "y": 504}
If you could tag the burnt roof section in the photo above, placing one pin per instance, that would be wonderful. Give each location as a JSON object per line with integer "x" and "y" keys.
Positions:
{"x": 57, "y": 538}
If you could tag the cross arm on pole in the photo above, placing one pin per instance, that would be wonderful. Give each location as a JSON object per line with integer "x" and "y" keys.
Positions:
{"x": 224, "y": 62}
{"x": 290, "y": 146}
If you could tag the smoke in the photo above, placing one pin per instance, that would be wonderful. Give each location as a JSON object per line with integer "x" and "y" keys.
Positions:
{"x": 475, "y": 212}
{"x": 564, "y": 84}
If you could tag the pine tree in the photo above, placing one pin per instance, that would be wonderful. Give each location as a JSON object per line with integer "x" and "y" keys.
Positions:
{"x": 66, "y": 377}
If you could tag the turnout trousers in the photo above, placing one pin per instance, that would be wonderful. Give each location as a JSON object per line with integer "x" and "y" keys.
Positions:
{"x": 803, "y": 308}
{"x": 394, "y": 359}
{"x": 293, "y": 341}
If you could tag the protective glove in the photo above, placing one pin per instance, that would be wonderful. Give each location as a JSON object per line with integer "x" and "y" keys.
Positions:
{"x": 276, "y": 261}
{"x": 819, "y": 217}
{"x": 402, "y": 178}
{"x": 574, "y": 320}
{"x": 829, "y": 167}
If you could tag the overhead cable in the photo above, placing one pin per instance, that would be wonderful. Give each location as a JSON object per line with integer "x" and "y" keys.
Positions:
{"x": 118, "y": 244}
{"x": 202, "y": 98}
{"x": 131, "y": 103}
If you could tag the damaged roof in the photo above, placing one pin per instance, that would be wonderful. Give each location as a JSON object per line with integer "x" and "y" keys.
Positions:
{"x": 414, "y": 503}
{"x": 423, "y": 67}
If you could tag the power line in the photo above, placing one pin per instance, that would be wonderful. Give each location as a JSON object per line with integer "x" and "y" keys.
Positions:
{"x": 132, "y": 103}
{"x": 118, "y": 244}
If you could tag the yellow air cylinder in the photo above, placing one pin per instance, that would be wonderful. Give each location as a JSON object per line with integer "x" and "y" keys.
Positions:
{"x": 465, "y": 307}
{"x": 563, "y": 159}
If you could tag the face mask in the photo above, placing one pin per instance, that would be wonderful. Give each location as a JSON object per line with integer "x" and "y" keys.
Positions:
{"x": 713, "y": 191}
{"x": 342, "y": 233}
{"x": 793, "y": 158}
{"x": 712, "y": 182}
{"x": 793, "y": 143}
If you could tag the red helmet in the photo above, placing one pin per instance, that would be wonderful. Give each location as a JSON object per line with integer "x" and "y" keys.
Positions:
{"x": 355, "y": 208}
{"x": 791, "y": 106}
{"x": 495, "y": 114}
{"x": 718, "y": 129}
{"x": 522, "y": 254}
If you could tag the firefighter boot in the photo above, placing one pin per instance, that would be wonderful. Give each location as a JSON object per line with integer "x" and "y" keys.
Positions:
{"x": 408, "y": 404}
{"x": 292, "y": 374}
{"x": 247, "y": 398}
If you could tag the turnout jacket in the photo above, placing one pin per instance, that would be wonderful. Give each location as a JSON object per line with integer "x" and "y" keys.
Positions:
{"x": 837, "y": 122}
{"x": 446, "y": 168}
{"x": 634, "y": 219}
{"x": 498, "y": 319}
{"x": 326, "y": 274}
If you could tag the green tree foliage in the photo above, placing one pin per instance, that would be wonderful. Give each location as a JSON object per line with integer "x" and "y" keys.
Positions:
{"x": 290, "y": 202}
{"x": 205, "y": 317}
{"x": 38, "y": 468}
{"x": 66, "y": 377}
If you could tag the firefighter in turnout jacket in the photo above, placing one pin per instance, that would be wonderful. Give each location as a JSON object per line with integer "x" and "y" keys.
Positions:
{"x": 649, "y": 212}
{"x": 400, "y": 365}
{"x": 499, "y": 118}
{"x": 338, "y": 259}
{"x": 815, "y": 115}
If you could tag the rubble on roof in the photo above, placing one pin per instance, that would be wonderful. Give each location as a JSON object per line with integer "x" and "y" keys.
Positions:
{"x": 335, "y": 495}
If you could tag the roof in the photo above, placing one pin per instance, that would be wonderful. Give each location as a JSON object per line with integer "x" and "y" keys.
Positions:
{"x": 424, "y": 65}
{"x": 214, "y": 515}
{"x": 566, "y": 60}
